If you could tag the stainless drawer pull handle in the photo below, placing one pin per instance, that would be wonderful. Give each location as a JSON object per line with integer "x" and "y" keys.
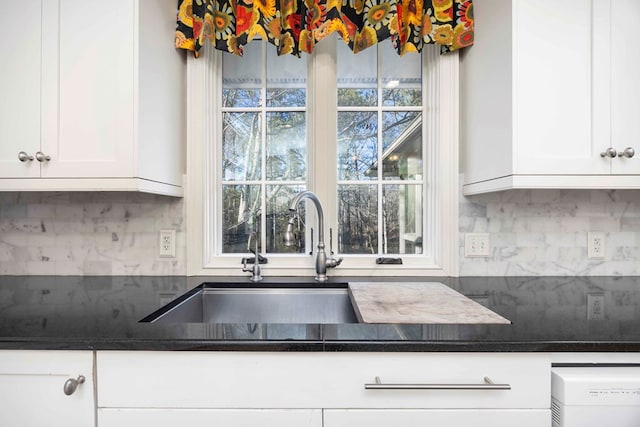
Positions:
{"x": 72, "y": 384}
{"x": 487, "y": 385}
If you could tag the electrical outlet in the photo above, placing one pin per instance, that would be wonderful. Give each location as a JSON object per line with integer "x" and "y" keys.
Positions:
{"x": 167, "y": 244}
{"x": 595, "y": 245}
{"x": 476, "y": 245}
{"x": 595, "y": 306}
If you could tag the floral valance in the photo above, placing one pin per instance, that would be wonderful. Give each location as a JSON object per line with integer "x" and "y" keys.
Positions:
{"x": 295, "y": 26}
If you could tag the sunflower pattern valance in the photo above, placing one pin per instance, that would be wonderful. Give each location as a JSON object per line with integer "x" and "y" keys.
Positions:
{"x": 295, "y": 26}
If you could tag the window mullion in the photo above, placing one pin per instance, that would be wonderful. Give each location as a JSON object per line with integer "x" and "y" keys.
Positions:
{"x": 262, "y": 227}
{"x": 381, "y": 221}
{"x": 322, "y": 133}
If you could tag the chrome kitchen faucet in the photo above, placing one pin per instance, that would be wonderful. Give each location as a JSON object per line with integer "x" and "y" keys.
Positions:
{"x": 322, "y": 261}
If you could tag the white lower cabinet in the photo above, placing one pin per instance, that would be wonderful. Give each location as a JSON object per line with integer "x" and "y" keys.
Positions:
{"x": 234, "y": 388}
{"x": 436, "y": 417}
{"x": 210, "y": 417}
{"x": 32, "y": 388}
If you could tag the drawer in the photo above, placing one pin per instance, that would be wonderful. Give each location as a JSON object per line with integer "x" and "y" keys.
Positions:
{"x": 437, "y": 417}
{"x": 210, "y": 417}
{"x": 320, "y": 380}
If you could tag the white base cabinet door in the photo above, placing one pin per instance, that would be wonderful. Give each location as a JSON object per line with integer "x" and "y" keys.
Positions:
{"x": 32, "y": 389}
{"x": 210, "y": 417}
{"x": 323, "y": 389}
{"x": 437, "y": 418}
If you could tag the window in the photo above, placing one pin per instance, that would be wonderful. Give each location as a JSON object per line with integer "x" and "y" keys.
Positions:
{"x": 264, "y": 146}
{"x": 380, "y": 187}
{"x": 361, "y": 131}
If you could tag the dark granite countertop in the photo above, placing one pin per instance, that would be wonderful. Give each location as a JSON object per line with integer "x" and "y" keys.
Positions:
{"x": 548, "y": 314}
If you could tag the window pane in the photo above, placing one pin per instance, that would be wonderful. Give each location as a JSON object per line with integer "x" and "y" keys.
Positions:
{"x": 286, "y": 146}
{"x": 286, "y": 97}
{"x": 242, "y": 78}
{"x": 357, "y": 145}
{"x": 356, "y": 97}
{"x": 357, "y": 77}
{"x": 402, "y": 145}
{"x": 240, "y": 202}
{"x": 401, "y": 78}
{"x": 402, "y": 219}
{"x": 278, "y": 199}
{"x": 286, "y": 80}
{"x": 239, "y": 97}
{"x": 357, "y": 219}
{"x": 241, "y": 147}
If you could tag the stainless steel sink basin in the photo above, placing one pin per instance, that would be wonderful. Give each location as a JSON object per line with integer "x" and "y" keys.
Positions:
{"x": 259, "y": 305}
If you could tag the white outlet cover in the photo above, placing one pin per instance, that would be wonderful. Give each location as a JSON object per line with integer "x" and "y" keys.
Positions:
{"x": 167, "y": 244}
{"x": 596, "y": 245}
{"x": 476, "y": 245}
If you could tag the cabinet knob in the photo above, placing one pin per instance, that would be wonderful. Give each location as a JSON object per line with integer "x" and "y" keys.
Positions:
{"x": 609, "y": 152}
{"x": 72, "y": 384}
{"x": 24, "y": 157}
{"x": 628, "y": 152}
{"x": 41, "y": 157}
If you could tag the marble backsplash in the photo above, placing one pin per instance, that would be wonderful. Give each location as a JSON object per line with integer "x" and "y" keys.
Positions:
{"x": 544, "y": 232}
{"x": 532, "y": 233}
{"x": 89, "y": 233}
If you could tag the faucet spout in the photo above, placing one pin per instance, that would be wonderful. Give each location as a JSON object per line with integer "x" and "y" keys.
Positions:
{"x": 322, "y": 261}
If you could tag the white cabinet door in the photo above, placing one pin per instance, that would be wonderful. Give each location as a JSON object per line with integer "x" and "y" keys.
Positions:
{"x": 208, "y": 417}
{"x": 20, "y": 87}
{"x": 553, "y": 89}
{"x": 88, "y": 88}
{"x": 437, "y": 418}
{"x": 31, "y": 389}
{"x": 625, "y": 84}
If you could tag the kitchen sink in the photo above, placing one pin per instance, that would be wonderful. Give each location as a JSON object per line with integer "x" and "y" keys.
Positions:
{"x": 259, "y": 305}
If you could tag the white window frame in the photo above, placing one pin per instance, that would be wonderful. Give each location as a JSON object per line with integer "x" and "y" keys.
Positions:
{"x": 203, "y": 154}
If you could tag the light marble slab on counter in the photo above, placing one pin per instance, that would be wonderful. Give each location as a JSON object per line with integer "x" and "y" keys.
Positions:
{"x": 420, "y": 303}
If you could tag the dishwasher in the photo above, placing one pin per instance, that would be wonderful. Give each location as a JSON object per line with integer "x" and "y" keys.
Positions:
{"x": 590, "y": 396}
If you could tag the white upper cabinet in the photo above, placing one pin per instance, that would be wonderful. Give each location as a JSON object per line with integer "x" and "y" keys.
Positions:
{"x": 624, "y": 82}
{"x": 547, "y": 89}
{"x": 107, "y": 108}
{"x": 20, "y": 87}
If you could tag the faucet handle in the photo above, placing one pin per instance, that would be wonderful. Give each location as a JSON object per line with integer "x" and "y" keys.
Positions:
{"x": 254, "y": 269}
{"x": 331, "y": 241}
{"x": 334, "y": 262}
